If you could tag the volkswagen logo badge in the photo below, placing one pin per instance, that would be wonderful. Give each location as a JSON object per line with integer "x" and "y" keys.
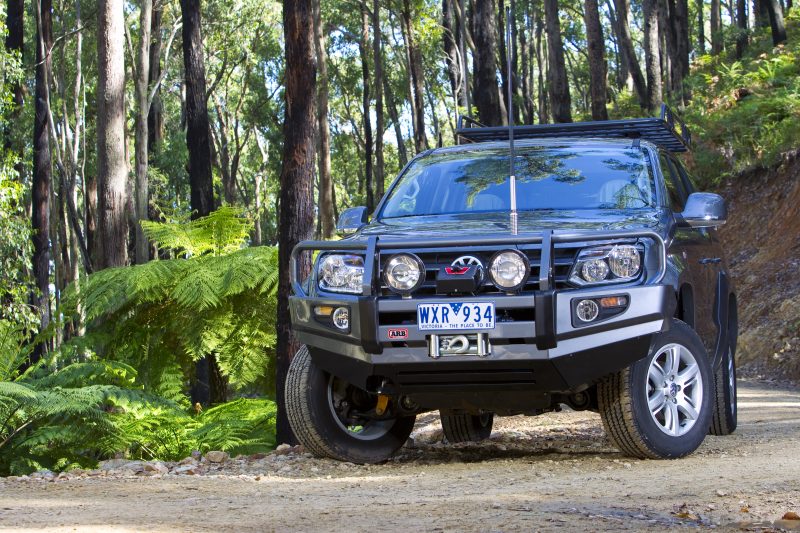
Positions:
{"x": 467, "y": 261}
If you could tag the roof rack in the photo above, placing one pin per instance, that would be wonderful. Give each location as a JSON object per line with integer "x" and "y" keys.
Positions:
{"x": 667, "y": 131}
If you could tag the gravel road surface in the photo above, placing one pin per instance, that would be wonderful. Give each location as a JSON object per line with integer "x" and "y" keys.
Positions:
{"x": 556, "y": 472}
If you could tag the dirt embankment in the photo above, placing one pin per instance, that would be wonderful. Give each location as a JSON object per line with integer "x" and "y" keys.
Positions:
{"x": 762, "y": 239}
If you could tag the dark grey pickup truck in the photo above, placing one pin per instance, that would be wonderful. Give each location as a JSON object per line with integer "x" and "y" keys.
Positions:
{"x": 576, "y": 267}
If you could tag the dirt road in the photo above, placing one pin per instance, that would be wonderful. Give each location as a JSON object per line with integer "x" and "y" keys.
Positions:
{"x": 551, "y": 473}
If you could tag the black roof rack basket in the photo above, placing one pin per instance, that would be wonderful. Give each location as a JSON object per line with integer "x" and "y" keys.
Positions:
{"x": 667, "y": 131}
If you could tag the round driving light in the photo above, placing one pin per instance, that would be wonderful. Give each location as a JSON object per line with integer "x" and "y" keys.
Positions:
{"x": 341, "y": 318}
{"x": 404, "y": 273}
{"x": 595, "y": 270}
{"x": 509, "y": 270}
{"x": 624, "y": 261}
{"x": 587, "y": 310}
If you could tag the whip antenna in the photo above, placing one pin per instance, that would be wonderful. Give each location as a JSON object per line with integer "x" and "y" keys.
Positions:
{"x": 511, "y": 155}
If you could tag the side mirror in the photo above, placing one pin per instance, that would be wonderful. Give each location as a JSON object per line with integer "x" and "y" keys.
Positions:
{"x": 351, "y": 220}
{"x": 705, "y": 210}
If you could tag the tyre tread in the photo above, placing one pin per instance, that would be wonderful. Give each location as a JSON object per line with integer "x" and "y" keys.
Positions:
{"x": 461, "y": 428}
{"x": 298, "y": 406}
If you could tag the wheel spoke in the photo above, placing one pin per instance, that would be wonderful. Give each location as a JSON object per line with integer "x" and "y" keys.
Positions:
{"x": 688, "y": 375}
{"x": 656, "y": 375}
{"x": 656, "y": 401}
{"x": 672, "y": 421}
{"x": 673, "y": 360}
{"x": 686, "y": 407}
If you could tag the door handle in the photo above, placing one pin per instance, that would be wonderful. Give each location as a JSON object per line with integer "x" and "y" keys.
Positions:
{"x": 710, "y": 260}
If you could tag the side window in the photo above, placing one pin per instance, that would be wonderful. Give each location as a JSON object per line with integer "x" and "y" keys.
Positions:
{"x": 688, "y": 182}
{"x": 675, "y": 190}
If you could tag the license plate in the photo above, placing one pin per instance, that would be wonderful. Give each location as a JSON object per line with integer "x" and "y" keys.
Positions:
{"x": 455, "y": 316}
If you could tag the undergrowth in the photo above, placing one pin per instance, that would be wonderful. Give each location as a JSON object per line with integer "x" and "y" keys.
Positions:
{"x": 744, "y": 113}
{"x": 121, "y": 388}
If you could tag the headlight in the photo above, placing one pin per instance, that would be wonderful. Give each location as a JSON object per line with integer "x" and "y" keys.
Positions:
{"x": 341, "y": 273}
{"x": 404, "y": 273}
{"x": 509, "y": 270}
{"x": 607, "y": 264}
{"x": 624, "y": 261}
{"x": 595, "y": 270}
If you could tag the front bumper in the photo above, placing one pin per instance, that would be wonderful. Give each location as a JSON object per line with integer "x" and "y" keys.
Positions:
{"x": 578, "y": 356}
{"x": 540, "y": 349}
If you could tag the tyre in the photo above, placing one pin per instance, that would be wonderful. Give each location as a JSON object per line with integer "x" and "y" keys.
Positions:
{"x": 660, "y": 407}
{"x": 329, "y": 416}
{"x": 724, "y": 417}
{"x": 466, "y": 428}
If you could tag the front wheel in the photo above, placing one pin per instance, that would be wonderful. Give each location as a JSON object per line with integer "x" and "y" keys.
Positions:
{"x": 332, "y": 418}
{"x": 660, "y": 406}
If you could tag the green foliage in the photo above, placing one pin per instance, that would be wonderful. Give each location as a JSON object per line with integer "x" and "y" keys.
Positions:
{"x": 71, "y": 417}
{"x": 52, "y": 418}
{"x": 162, "y": 315}
{"x": 223, "y": 231}
{"x": 744, "y": 112}
{"x": 242, "y": 426}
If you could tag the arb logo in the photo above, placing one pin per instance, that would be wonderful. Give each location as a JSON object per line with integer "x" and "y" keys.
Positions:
{"x": 398, "y": 334}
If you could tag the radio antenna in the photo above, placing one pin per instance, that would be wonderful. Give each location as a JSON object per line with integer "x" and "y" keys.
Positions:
{"x": 511, "y": 155}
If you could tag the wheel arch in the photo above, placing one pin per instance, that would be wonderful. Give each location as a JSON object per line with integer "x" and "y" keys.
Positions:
{"x": 685, "y": 310}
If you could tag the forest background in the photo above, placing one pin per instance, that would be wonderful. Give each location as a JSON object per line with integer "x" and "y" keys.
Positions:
{"x": 160, "y": 158}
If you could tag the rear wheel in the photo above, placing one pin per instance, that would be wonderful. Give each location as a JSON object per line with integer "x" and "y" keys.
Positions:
{"x": 332, "y": 418}
{"x": 660, "y": 407}
{"x": 724, "y": 417}
{"x": 465, "y": 427}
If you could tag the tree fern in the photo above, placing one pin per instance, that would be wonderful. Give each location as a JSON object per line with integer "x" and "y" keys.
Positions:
{"x": 162, "y": 315}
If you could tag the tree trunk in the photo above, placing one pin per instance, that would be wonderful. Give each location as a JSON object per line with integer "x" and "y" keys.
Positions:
{"x": 112, "y": 168}
{"x": 486, "y": 91}
{"x": 597, "y": 60}
{"x": 560, "y": 101}
{"x": 297, "y": 178}
{"x": 363, "y": 47}
{"x": 155, "y": 118}
{"x": 415, "y": 67}
{"x": 761, "y": 13}
{"x": 652, "y": 54}
{"x": 466, "y": 102}
{"x": 402, "y": 153}
{"x": 326, "y": 208}
{"x": 142, "y": 135}
{"x": 776, "y": 21}
{"x": 626, "y": 43}
{"x": 701, "y": 28}
{"x": 527, "y": 69}
{"x": 451, "y": 50}
{"x": 741, "y": 24}
{"x": 209, "y": 386}
{"x": 377, "y": 51}
{"x": 716, "y": 27}
{"x": 503, "y": 51}
{"x": 682, "y": 15}
{"x": 542, "y": 89}
{"x": 42, "y": 171}
{"x": 15, "y": 43}
{"x": 624, "y": 79}
{"x": 197, "y": 125}
{"x": 681, "y": 59}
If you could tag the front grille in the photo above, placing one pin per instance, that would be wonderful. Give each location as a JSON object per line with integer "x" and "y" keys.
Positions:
{"x": 436, "y": 259}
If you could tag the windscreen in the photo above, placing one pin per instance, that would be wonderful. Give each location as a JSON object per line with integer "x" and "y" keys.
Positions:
{"x": 476, "y": 181}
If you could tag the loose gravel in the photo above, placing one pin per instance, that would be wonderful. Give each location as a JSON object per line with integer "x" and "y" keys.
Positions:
{"x": 555, "y": 472}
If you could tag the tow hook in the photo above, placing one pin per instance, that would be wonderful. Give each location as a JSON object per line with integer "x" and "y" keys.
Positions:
{"x": 383, "y": 403}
